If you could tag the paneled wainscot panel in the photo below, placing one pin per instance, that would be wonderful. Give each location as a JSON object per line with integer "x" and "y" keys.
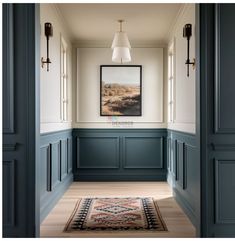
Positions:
{"x": 183, "y": 172}
{"x": 120, "y": 154}
{"x": 98, "y": 152}
{"x": 55, "y": 168}
{"x": 143, "y": 152}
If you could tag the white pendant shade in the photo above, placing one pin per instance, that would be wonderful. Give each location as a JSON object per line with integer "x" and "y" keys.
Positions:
{"x": 121, "y": 55}
{"x": 121, "y": 40}
{"x": 121, "y": 46}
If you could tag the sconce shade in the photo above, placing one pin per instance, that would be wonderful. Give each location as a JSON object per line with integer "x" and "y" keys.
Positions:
{"x": 48, "y": 30}
{"x": 121, "y": 55}
{"x": 121, "y": 40}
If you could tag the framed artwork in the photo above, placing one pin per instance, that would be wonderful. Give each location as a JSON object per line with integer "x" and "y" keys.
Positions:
{"x": 120, "y": 90}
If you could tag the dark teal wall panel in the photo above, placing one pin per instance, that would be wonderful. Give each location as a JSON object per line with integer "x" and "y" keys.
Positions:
{"x": 184, "y": 172}
{"x": 120, "y": 154}
{"x": 98, "y": 152}
{"x": 55, "y": 168}
{"x": 143, "y": 152}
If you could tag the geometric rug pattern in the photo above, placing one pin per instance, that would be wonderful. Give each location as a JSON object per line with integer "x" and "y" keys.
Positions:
{"x": 116, "y": 214}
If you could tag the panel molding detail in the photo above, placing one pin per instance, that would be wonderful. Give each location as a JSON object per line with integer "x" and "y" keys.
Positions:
{"x": 56, "y": 168}
{"x": 158, "y": 159}
{"x": 223, "y": 147}
{"x": 120, "y": 154}
{"x": 181, "y": 170}
{"x": 218, "y": 129}
{"x": 8, "y": 70}
{"x": 49, "y": 169}
{"x": 96, "y": 165}
{"x": 9, "y": 214}
{"x": 55, "y": 162}
{"x": 186, "y": 180}
{"x": 9, "y": 147}
{"x": 219, "y": 197}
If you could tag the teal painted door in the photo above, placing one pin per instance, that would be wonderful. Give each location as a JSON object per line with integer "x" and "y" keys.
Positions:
{"x": 20, "y": 120}
{"x": 217, "y": 79}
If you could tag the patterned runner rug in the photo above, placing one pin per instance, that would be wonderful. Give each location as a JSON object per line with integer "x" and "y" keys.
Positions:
{"x": 112, "y": 214}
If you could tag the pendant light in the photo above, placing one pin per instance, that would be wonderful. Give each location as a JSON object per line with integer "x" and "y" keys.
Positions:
{"x": 121, "y": 46}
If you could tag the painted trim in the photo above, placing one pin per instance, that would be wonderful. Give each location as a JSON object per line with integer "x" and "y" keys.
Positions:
{"x": 217, "y": 97}
{"x": 181, "y": 181}
{"x": 57, "y": 194}
{"x": 11, "y": 189}
{"x": 120, "y": 130}
{"x": 142, "y": 167}
{"x": 112, "y": 177}
{"x": 55, "y": 133}
{"x": 98, "y": 167}
{"x": 186, "y": 207}
{"x": 223, "y": 147}
{"x": 122, "y": 173}
{"x": 55, "y": 142}
{"x": 218, "y": 219}
{"x": 8, "y": 70}
{"x": 9, "y": 147}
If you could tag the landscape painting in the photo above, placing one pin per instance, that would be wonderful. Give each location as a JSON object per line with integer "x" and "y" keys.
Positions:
{"x": 120, "y": 90}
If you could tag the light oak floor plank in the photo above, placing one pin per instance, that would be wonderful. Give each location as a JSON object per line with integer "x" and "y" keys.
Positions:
{"x": 177, "y": 223}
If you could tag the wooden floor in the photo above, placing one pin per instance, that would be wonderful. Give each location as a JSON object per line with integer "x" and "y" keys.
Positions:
{"x": 176, "y": 221}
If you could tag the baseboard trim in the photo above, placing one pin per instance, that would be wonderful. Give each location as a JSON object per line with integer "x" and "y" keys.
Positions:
{"x": 185, "y": 206}
{"x": 55, "y": 197}
{"x": 87, "y": 178}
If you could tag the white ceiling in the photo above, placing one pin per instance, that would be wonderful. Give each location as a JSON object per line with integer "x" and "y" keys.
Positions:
{"x": 97, "y": 22}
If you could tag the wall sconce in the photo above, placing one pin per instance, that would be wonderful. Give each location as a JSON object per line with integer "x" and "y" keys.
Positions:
{"x": 48, "y": 33}
{"x": 187, "y": 33}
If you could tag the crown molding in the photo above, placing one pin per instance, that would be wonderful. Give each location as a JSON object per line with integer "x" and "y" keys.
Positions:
{"x": 177, "y": 19}
{"x": 63, "y": 21}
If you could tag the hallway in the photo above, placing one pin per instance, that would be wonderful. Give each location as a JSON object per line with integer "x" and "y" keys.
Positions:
{"x": 176, "y": 221}
{"x": 94, "y": 106}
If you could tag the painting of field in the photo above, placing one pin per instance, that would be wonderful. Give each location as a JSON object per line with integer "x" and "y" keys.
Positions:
{"x": 120, "y": 97}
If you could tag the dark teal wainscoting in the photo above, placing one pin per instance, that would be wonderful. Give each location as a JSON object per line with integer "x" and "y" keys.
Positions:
{"x": 184, "y": 172}
{"x": 55, "y": 168}
{"x": 120, "y": 154}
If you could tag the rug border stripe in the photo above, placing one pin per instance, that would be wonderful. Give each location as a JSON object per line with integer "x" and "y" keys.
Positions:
{"x": 159, "y": 214}
{"x": 72, "y": 215}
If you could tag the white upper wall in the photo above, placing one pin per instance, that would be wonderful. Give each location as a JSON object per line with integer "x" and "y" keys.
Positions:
{"x": 88, "y": 88}
{"x": 185, "y": 99}
{"x": 50, "y": 89}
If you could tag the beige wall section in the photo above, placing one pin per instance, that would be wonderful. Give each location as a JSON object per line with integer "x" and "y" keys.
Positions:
{"x": 185, "y": 99}
{"x": 87, "y": 89}
{"x": 50, "y": 103}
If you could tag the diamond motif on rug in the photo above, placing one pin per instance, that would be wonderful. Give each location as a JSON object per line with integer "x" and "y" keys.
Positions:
{"x": 115, "y": 209}
{"x": 116, "y": 214}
